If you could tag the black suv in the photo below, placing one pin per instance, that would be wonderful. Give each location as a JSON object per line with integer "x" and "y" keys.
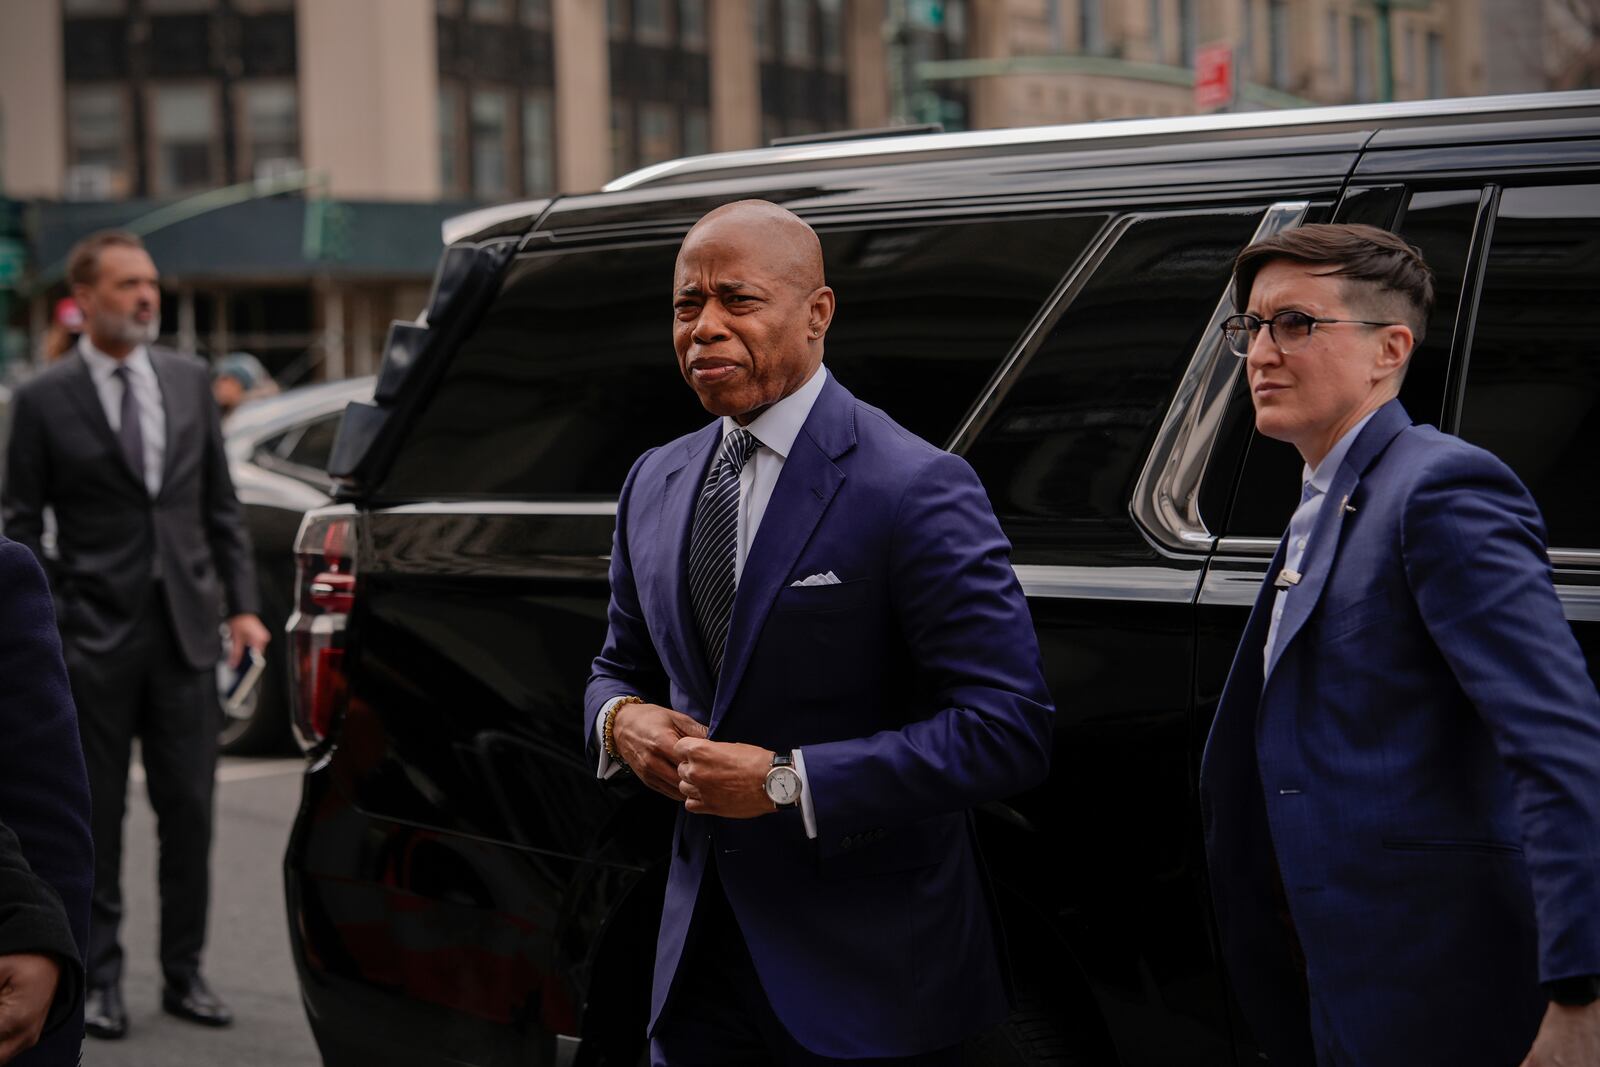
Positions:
{"x": 1044, "y": 302}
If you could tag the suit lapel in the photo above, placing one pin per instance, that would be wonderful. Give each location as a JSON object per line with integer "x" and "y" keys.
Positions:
{"x": 675, "y": 517}
{"x": 81, "y": 388}
{"x": 806, "y": 486}
{"x": 1386, "y": 424}
{"x": 166, "y": 379}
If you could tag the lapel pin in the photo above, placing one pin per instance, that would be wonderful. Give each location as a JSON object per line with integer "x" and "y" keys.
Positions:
{"x": 1286, "y": 578}
{"x": 1349, "y": 508}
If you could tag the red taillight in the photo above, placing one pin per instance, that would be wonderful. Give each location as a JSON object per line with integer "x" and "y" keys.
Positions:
{"x": 325, "y": 574}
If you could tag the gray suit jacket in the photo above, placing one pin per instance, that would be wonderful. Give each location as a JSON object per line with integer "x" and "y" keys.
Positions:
{"x": 112, "y": 537}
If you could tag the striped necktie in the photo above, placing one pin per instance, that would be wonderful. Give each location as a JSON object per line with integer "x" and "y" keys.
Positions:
{"x": 130, "y": 434}
{"x": 713, "y": 543}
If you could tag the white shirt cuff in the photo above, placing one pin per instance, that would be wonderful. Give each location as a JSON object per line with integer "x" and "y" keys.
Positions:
{"x": 608, "y": 766}
{"x": 807, "y": 812}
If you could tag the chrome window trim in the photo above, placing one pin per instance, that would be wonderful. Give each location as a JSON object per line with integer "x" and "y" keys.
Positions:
{"x": 710, "y": 166}
{"x": 1166, "y": 498}
{"x": 502, "y": 507}
{"x": 1266, "y": 546}
{"x": 1150, "y": 584}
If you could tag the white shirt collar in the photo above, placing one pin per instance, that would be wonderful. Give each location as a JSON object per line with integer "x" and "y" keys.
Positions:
{"x": 102, "y": 366}
{"x": 779, "y": 425}
{"x": 1322, "y": 477}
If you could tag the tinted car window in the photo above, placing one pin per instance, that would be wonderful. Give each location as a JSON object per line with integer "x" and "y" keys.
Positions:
{"x": 1533, "y": 382}
{"x": 1063, "y": 450}
{"x": 1439, "y": 224}
{"x": 316, "y": 442}
{"x": 571, "y": 374}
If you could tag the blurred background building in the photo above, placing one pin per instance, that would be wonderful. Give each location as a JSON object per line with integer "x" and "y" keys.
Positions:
{"x": 290, "y": 161}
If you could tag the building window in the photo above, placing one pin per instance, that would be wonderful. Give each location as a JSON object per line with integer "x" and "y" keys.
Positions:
{"x": 692, "y": 23}
{"x": 1435, "y": 66}
{"x": 797, "y": 44}
{"x": 536, "y": 13}
{"x": 832, "y": 32}
{"x": 1247, "y": 41}
{"x": 538, "y": 145}
{"x": 696, "y": 131}
{"x": 93, "y": 7}
{"x": 489, "y": 10}
{"x": 1278, "y": 42}
{"x": 617, "y": 17}
{"x": 658, "y": 132}
{"x": 172, "y": 7}
{"x": 650, "y": 20}
{"x": 490, "y": 157}
{"x": 1158, "y": 32}
{"x": 184, "y": 128}
{"x": 450, "y": 140}
{"x": 766, "y": 36}
{"x": 1361, "y": 59}
{"x": 1188, "y": 33}
{"x": 1091, "y": 27}
{"x": 955, "y": 25}
{"x": 97, "y": 148}
{"x": 621, "y": 136}
{"x": 269, "y": 135}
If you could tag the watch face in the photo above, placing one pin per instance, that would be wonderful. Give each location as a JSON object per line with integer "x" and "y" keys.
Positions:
{"x": 783, "y": 785}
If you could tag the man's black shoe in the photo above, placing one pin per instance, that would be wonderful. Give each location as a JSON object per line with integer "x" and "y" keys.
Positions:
{"x": 103, "y": 1014}
{"x": 193, "y": 1000}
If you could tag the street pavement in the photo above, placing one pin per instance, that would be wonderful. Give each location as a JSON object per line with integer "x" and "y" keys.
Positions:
{"x": 247, "y": 955}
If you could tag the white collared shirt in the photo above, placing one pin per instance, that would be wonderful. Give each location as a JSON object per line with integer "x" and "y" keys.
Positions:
{"x": 146, "y": 394}
{"x": 776, "y": 429}
{"x": 1301, "y": 525}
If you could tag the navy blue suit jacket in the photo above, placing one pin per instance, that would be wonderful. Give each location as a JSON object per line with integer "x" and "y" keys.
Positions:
{"x": 1424, "y": 763}
{"x": 914, "y": 687}
{"x": 44, "y": 790}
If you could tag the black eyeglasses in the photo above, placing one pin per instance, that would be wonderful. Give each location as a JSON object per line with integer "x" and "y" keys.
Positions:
{"x": 1288, "y": 329}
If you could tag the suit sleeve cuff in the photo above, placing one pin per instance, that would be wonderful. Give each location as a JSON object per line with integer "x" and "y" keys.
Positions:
{"x": 808, "y": 813}
{"x": 607, "y": 766}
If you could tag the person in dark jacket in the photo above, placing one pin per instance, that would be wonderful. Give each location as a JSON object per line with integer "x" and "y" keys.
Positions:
{"x": 123, "y": 440}
{"x": 46, "y": 858}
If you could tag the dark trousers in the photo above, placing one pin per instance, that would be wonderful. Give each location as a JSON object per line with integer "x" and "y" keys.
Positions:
{"x": 145, "y": 689}
{"x": 718, "y": 1013}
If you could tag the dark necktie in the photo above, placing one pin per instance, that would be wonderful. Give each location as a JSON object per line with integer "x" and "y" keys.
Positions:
{"x": 130, "y": 433}
{"x": 713, "y": 544}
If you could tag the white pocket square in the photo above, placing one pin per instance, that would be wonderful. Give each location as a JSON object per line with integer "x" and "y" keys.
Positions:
{"x": 818, "y": 579}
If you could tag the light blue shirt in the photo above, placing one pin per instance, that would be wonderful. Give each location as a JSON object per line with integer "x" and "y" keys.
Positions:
{"x": 1314, "y": 486}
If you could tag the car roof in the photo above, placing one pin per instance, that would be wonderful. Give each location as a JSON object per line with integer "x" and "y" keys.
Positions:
{"x": 256, "y": 420}
{"x": 514, "y": 219}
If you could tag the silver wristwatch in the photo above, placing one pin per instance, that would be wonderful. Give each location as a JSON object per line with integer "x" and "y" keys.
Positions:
{"x": 783, "y": 781}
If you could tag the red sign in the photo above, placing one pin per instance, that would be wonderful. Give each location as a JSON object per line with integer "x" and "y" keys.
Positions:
{"x": 1213, "y": 76}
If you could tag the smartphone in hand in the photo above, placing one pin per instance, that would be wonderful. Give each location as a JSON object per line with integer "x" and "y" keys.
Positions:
{"x": 243, "y": 679}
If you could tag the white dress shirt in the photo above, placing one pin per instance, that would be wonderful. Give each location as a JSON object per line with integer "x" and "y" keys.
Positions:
{"x": 776, "y": 429}
{"x": 1313, "y": 489}
{"x": 146, "y": 394}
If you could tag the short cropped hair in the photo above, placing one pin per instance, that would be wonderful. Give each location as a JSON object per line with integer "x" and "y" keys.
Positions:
{"x": 1385, "y": 270}
{"x": 83, "y": 262}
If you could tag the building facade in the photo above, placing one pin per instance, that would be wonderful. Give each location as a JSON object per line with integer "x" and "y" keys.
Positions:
{"x": 328, "y": 138}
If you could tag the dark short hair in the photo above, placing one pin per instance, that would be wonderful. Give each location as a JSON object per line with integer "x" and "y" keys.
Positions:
{"x": 1362, "y": 254}
{"x": 83, "y": 262}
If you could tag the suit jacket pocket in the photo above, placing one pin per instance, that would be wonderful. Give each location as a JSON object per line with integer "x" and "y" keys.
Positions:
{"x": 1350, "y": 618}
{"x": 1451, "y": 844}
{"x": 807, "y": 599}
{"x": 883, "y": 851}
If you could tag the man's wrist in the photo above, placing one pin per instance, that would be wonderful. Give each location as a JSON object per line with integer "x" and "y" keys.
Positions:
{"x": 608, "y": 736}
{"x": 1575, "y": 992}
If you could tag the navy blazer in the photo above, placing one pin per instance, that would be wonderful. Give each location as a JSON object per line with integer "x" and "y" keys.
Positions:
{"x": 1424, "y": 763}
{"x": 44, "y": 790}
{"x": 914, "y": 687}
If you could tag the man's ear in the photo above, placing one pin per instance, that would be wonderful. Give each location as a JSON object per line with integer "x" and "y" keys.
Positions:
{"x": 821, "y": 312}
{"x": 1398, "y": 341}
